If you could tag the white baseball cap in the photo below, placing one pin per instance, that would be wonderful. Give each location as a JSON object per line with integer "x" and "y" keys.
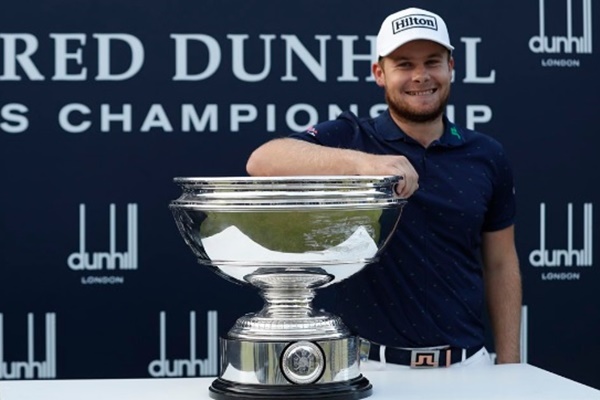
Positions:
{"x": 408, "y": 25}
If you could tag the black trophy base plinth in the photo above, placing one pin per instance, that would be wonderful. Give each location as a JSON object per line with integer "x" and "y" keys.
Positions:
{"x": 354, "y": 389}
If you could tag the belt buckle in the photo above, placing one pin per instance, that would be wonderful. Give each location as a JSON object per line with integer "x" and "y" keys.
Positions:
{"x": 428, "y": 357}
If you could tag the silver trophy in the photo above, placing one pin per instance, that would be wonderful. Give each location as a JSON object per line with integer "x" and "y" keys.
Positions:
{"x": 288, "y": 236}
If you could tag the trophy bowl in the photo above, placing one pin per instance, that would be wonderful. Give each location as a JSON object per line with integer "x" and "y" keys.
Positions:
{"x": 288, "y": 236}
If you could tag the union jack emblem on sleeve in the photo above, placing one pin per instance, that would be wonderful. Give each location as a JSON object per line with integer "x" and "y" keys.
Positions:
{"x": 312, "y": 131}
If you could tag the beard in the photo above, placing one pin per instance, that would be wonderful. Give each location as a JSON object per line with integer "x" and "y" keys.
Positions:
{"x": 411, "y": 115}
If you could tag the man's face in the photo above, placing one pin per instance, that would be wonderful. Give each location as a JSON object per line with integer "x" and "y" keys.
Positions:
{"x": 416, "y": 78}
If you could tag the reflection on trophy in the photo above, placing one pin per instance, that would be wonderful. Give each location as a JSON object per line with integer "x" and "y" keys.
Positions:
{"x": 288, "y": 236}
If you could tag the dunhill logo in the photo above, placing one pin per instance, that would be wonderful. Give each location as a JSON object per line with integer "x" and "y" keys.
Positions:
{"x": 569, "y": 43}
{"x": 31, "y": 369}
{"x": 568, "y": 257}
{"x": 111, "y": 260}
{"x": 193, "y": 366}
{"x": 414, "y": 21}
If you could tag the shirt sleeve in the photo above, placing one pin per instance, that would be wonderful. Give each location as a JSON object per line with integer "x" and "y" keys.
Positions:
{"x": 502, "y": 207}
{"x": 341, "y": 132}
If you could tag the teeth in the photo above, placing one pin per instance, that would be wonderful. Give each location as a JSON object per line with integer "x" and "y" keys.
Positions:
{"x": 421, "y": 93}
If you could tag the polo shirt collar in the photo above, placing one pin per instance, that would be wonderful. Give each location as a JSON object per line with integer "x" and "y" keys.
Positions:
{"x": 453, "y": 135}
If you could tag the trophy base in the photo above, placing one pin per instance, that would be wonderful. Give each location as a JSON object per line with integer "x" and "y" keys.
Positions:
{"x": 296, "y": 370}
{"x": 353, "y": 389}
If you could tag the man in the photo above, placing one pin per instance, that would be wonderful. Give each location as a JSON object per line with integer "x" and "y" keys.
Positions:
{"x": 422, "y": 303}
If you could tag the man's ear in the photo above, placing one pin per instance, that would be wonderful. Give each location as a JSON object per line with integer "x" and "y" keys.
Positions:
{"x": 451, "y": 63}
{"x": 378, "y": 74}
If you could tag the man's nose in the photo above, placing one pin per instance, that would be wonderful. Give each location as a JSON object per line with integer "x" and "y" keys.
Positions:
{"x": 421, "y": 74}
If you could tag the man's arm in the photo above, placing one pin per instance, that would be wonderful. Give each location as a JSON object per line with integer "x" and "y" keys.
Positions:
{"x": 502, "y": 280}
{"x": 287, "y": 156}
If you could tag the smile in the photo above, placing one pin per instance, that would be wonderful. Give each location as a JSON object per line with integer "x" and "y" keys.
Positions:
{"x": 421, "y": 92}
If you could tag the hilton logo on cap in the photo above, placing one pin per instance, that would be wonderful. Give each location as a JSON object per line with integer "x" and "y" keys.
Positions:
{"x": 414, "y": 21}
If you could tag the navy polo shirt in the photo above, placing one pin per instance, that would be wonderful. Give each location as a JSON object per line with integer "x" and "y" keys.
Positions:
{"x": 427, "y": 288}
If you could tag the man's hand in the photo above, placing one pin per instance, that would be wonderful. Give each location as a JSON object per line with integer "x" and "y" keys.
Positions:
{"x": 372, "y": 164}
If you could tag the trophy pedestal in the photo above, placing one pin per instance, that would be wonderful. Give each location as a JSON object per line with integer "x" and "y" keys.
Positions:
{"x": 288, "y": 350}
{"x": 301, "y": 369}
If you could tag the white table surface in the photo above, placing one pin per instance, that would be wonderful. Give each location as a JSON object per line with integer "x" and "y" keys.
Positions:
{"x": 505, "y": 382}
